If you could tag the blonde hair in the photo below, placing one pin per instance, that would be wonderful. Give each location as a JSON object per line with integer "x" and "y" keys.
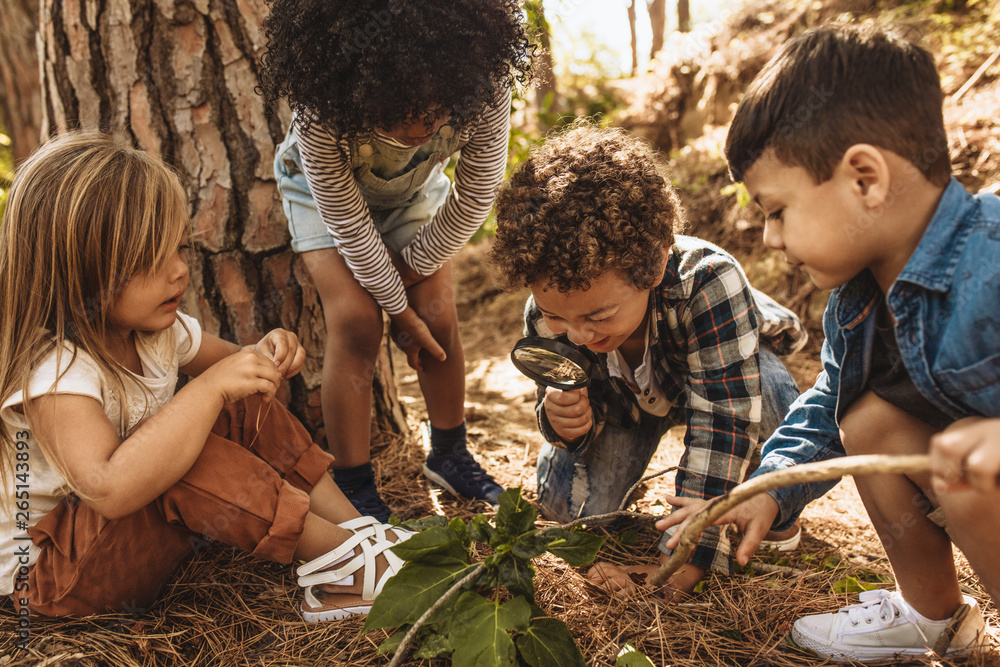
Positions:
{"x": 84, "y": 215}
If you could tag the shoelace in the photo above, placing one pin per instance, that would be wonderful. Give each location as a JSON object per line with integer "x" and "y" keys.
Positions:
{"x": 467, "y": 466}
{"x": 885, "y": 606}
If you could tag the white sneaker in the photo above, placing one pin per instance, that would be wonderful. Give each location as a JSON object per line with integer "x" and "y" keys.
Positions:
{"x": 883, "y": 625}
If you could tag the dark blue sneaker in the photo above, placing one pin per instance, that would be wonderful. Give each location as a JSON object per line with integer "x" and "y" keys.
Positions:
{"x": 458, "y": 472}
{"x": 368, "y": 502}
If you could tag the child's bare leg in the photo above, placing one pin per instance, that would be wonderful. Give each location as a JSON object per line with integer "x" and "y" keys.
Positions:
{"x": 319, "y": 536}
{"x": 327, "y": 501}
{"x": 353, "y": 336}
{"x": 973, "y": 519}
{"x": 442, "y": 382}
{"x": 918, "y": 549}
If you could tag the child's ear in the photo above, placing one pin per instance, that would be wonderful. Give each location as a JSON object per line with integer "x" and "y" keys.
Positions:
{"x": 866, "y": 167}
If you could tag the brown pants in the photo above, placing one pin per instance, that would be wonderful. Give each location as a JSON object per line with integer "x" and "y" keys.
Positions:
{"x": 255, "y": 498}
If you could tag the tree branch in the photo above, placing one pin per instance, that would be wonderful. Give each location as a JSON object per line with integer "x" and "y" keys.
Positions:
{"x": 800, "y": 474}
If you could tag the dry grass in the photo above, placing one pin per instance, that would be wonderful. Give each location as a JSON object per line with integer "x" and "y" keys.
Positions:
{"x": 227, "y": 609}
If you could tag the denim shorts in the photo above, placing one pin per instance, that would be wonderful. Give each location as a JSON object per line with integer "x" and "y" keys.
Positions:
{"x": 397, "y": 226}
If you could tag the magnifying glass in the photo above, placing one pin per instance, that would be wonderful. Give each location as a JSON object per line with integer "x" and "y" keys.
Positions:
{"x": 551, "y": 363}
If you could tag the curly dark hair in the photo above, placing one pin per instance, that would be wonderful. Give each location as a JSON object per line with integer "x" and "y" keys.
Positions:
{"x": 586, "y": 201}
{"x": 354, "y": 65}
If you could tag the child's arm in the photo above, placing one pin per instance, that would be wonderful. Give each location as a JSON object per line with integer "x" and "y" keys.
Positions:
{"x": 478, "y": 175}
{"x": 118, "y": 477}
{"x": 809, "y": 432}
{"x": 966, "y": 456}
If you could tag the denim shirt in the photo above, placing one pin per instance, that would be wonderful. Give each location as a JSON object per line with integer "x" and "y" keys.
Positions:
{"x": 946, "y": 303}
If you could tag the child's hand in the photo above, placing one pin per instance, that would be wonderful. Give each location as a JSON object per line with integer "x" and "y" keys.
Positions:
{"x": 283, "y": 348}
{"x": 966, "y": 456}
{"x": 412, "y": 335}
{"x": 753, "y": 517}
{"x": 241, "y": 374}
{"x": 568, "y": 412}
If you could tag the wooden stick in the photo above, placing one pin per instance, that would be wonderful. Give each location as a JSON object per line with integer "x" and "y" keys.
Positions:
{"x": 975, "y": 77}
{"x": 875, "y": 464}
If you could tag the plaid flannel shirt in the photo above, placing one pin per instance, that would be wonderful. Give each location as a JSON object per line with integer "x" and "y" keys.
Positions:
{"x": 708, "y": 323}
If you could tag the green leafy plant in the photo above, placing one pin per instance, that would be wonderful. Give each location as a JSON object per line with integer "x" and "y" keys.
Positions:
{"x": 629, "y": 656}
{"x": 480, "y": 624}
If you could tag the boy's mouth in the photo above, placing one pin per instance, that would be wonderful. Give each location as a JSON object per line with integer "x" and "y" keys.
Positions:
{"x": 597, "y": 347}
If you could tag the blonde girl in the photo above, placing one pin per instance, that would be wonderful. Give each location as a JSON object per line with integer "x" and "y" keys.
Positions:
{"x": 110, "y": 475}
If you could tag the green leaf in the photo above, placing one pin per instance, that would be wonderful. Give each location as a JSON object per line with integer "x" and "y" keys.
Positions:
{"x": 549, "y": 643}
{"x": 517, "y": 575}
{"x": 851, "y": 585}
{"x": 576, "y": 548}
{"x": 437, "y": 540}
{"x": 461, "y": 530}
{"x": 516, "y": 515}
{"x": 480, "y": 529}
{"x": 480, "y": 630}
{"x": 411, "y": 592}
{"x": 629, "y": 538}
{"x": 426, "y": 522}
{"x": 393, "y": 641}
{"x": 435, "y": 646}
{"x": 629, "y": 656}
{"x": 530, "y": 545}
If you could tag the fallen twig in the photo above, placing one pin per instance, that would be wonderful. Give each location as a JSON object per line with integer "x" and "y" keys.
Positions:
{"x": 976, "y": 76}
{"x": 800, "y": 474}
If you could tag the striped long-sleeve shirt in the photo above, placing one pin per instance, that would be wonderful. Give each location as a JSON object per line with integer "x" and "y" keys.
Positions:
{"x": 347, "y": 217}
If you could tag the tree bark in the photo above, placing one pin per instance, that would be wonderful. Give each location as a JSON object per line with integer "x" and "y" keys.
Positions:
{"x": 177, "y": 78}
{"x": 20, "y": 89}
{"x": 546, "y": 93}
{"x": 683, "y": 16}
{"x": 658, "y": 22}
{"x": 634, "y": 40}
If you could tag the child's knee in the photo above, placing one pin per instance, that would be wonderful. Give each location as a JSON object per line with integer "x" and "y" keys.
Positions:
{"x": 356, "y": 329}
{"x": 873, "y": 426}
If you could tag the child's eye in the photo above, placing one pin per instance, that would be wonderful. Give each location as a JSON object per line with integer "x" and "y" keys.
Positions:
{"x": 775, "y": 215}
{"x": 599, "y": 320}
{"x": 184, "y": 246}
{"x": 551, "y": 317}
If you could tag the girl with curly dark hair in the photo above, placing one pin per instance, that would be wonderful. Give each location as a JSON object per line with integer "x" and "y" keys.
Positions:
{"x": 383, "y": 93}
{"x": 674, "y": 333}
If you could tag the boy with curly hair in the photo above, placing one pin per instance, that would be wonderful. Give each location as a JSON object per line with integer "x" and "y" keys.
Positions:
{"x": 383, "y": 93}
{"x": 677, "y": 334}
{"x": 840, "y": 140}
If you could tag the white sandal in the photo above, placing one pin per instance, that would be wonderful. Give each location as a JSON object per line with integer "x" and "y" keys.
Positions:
{"x": 372, "y": 539}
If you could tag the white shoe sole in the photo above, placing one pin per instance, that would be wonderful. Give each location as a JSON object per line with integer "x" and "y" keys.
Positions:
{"x": 440, "y": 481}
{"x": 333, "y": 614}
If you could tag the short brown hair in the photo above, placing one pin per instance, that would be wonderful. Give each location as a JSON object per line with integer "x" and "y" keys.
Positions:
{"x": 836, "y": 86}
{"x": 586, "y": 201}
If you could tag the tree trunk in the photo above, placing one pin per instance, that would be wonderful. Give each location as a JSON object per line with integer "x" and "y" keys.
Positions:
{"x": 658, "y": 22}
{"x": 683, "y": 15}
{"x": 546, "y": 93}
{"x": 634, "y": 39}
{"x": 177, "y": 77}
{"x": 20, "y": 89}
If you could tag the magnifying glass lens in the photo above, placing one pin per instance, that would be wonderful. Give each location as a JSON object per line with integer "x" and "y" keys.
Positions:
{"x": 552, "y": 363}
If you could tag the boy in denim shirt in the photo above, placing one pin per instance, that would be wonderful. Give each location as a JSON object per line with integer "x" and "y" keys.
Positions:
{"x": 840, "y": 140}
{"x": 675, "y": 334}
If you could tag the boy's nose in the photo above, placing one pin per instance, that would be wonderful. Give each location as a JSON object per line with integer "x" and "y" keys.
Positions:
{"x": 579, "y": 335}
{"x": 772, "y": 235}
